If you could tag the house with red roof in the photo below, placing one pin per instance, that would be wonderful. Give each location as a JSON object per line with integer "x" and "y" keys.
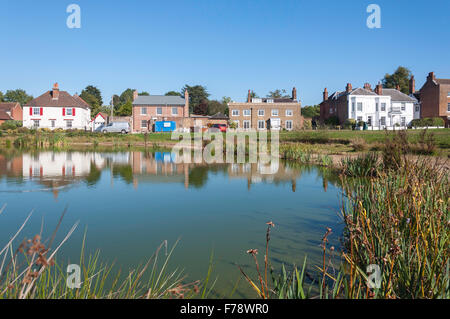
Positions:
{"x": 10, "y": 112}
{"x": 57, "y": 109}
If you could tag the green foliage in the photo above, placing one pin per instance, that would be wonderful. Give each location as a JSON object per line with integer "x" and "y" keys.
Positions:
{"x": 144, "y": 93}
{"x": 278, "y": 94}
{"x": 349, "y": 124}
{"x": 173, "y": 93}
{"x": 362, "y": 166}
{"x": 215, "y": 106}
{"x": 94, "y": 94}
{"x": 311, "y": 111}
{"x": 11, "y": 125}
{"x": 198, "y": 98}
{"x": 332, "y": 121}
{"x": 1, "y": 96}
{"x": 400, "y": 77}
{"x": 18, "y": 95}
{"x": 428, "y": 122}
{"x": 126, "y": 109}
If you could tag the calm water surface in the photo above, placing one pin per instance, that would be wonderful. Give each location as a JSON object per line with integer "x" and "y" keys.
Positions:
{"x": 129, "y": 202}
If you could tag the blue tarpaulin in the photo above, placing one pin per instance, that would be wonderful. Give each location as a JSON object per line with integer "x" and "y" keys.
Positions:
{"x": 165, "y": 126}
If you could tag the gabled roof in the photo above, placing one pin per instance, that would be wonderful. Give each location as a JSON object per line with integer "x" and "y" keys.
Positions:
{"x": 397, "y": 96}
{"x": 158, "y": 100}
{"x": 64, "y": 100}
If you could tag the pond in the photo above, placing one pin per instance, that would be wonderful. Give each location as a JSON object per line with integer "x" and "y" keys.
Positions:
{"x": 128, "y": 203}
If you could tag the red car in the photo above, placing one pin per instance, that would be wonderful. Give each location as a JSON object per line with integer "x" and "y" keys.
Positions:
{"x": 218, "y": 128}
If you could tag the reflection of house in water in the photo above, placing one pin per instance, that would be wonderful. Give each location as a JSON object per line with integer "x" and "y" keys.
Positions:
{"x": 256, "y": 173}
{"x": 10, "y": 166}
{"x": 158, "y": 167}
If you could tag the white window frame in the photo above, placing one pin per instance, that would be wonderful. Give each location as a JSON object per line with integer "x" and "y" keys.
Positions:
{"x": 36, "y": 111}
{"x": 69, "y": 111}
{"x": 383, "y": 120}
{"x": 71, "y": 124}
{"x": 383, "y": 107}
{"x": 359, "y": 106}
{"x": 403, "y": 121}
{"x": 53, "y": 123}
{"x": 275, "y": 112}
{"x": 247, "y": 112}
{"x": 143, "y": 110}
{"x": 403, "y": 107}
{"x": 157, "y": 109}
{"x": 289, "y": 113}
{"x": 261, "y": 112}
{"x": 244, "y": 124}
{"x": 263, "y": 124}
{"x": 176, "y": 110}
{"x": 234, "y": 112}
{"x": 146, "y": 124}
{"x": 36, "y": 122}
{"x": 291, "y": 124}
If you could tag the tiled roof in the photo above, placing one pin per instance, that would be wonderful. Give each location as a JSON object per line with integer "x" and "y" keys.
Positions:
{"x": 4, "y": 115}
{"x": 158, "y": 100}
{"x": 64, "y": 100}
{"x": 7, "y": 106}
{"x": 361, "y": 91}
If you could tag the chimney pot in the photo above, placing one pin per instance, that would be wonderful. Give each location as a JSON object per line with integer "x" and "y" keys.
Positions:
{"x": 379, "y": 89}
{"x": 249, "y": 96}
{"x": 348, "y": 88}
{"x": 55, "y": 91}
{"x": 186, "y": 103}
{"x": 294, "y": 94}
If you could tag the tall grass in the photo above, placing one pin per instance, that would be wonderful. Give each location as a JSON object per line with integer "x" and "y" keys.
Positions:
{"x": 30, "y": 270}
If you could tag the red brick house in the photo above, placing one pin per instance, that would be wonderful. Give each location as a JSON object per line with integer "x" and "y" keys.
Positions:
{"x": 10, "y": 112}
{"x": 149, "y": 109}
{"x": 435, "y": 98}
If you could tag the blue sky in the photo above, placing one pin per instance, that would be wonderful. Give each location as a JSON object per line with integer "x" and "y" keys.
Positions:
{"x": 228, "y": 46}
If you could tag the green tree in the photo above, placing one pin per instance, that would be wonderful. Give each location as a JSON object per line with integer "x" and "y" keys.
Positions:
{"x": 197, "y": 95}
{"x": 125, "y": 109}
{"x": 215, "y": 106}
{"x": 120, "y": 100}
{"x": 1, "y": 96}
{"x": 94, "y": 91}
{"x": 18, "y": 95}
{"x": 144, "y": 94}
{"x": 400, "y": 77}
{"x": 173, "y": 93}
{"x": 225, "y": 101}
{"x": 92, "y": 101}
{"x": 311, "y": 111}
{"x": 276, "y": 94}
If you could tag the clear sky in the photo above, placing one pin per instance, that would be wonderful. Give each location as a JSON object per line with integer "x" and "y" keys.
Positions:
{"x": 229, "y": 46}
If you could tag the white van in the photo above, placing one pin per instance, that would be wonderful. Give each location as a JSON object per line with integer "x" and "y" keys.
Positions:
{"x": 116, "y": 127}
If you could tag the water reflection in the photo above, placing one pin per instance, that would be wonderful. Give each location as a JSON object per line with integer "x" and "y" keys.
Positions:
{"x": 58, "y": 170}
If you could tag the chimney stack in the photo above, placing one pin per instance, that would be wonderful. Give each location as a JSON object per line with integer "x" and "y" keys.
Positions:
{"x": 186, "y": 103}
{"x": 135, "y": 95}
{"x": 325, "y": 94}
{"x": 431, "y": 76}
{"x": 249, "y": 96}
{"x": 379, "y": 89}
{"x": 55, "y": 91}
{"x": 412, "y": 85}
{"x": 397, "y": 87}
{"x": 294, "y": 94}
{"x": 367, "y": 86}
{"x": 348, "y": 88}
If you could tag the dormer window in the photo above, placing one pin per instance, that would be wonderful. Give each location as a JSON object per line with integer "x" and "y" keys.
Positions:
{"x": 256, "y": 100}
{"x": 269, "y": 101}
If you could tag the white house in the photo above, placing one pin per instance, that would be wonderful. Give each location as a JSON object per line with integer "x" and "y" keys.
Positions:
{"x": 57, "y": 109}
{"x": 100, "y": 120}
{"x": 381, "y": 108}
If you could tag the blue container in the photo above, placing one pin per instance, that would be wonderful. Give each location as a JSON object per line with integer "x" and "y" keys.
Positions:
{"x": 165, "y": 126}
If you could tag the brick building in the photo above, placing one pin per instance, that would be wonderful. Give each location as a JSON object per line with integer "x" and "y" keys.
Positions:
{"x": 267, "y": 113}
{"x": 434, "y": 97}
{"x": 152, "y": 108}
{"x": 10, "y": 112}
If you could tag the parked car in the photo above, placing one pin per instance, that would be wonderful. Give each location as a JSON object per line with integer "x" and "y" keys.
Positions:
{"x": 218, "y": 128}
{"x": 117, "y": 127}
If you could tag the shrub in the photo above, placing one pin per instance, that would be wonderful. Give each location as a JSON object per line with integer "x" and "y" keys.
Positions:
{"x": 332, "y": 121}
{"x": 359, "y": 144}
{"x": 349, "y": 124}
{"x": 11, "y": 125}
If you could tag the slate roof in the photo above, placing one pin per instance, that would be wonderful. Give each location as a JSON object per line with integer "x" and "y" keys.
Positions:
{"x": 64, "y": 100}
{"x": 397, "y": 96}
{"x": 361, "y": 91}
{"x": 158, "y": 100}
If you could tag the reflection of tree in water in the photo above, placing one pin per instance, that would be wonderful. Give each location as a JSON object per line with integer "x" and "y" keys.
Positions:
{"x": 198, "y": 175}
{"x": 124, "y": 171}
{"x": 94, "y": 175}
